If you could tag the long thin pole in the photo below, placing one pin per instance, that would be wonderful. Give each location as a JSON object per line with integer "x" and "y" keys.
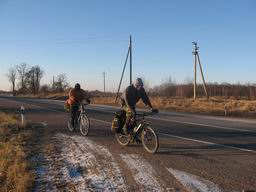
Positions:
{"x": 205, "y": 89}
{"x": 53, "y": 82}
{"x": 195, "y": 53}
{"x": 130, "y": 59}
{"x": 195, "y": 79}
{"x": 122, "y": 74}
{"x": 104, "y": 81}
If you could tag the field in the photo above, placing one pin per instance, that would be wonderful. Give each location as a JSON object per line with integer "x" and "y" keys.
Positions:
{"x": 216, "y": 106}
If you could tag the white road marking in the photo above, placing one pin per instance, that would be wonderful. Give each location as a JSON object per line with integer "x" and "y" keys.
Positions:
{"x": 101, "y": 121}
{"x": 201, "y": 124}
{"x": 185, "y": 122}
{"x": 208, "y": 143}
{"x": 194, "y": 140}
{"x": 143, "y": 172}
{"x": 194, "y": 183}
{"x": 44, "y": 124}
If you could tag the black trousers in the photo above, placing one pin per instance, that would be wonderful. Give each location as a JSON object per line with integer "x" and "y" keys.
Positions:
{"x": 74, "y": 109}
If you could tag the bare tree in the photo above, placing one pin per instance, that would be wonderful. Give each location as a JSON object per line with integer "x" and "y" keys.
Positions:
{"x": 22, "y": 70}
{"x": 33, "y": 78}
{"x": 12, "y": 75}
{"x": 61, "y": 83}
{"x": 39, "y": 75}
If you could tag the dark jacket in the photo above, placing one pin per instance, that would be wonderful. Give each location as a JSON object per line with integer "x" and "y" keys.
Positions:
{"x": 131, "y": 96}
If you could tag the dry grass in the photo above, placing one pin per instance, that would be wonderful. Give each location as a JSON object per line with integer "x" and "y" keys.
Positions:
{"x": 14, "y": 170}
{"x": 201, "y": 105}
{"x": 213, "y": 105}
{"x": 45, "y": 95}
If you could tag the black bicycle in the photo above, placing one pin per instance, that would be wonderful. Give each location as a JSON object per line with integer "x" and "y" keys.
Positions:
{"x": 140, "y": 133}
{"x": 81, "y": 120}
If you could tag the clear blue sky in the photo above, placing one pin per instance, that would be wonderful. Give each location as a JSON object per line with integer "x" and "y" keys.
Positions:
{"x": 86, "y": 37}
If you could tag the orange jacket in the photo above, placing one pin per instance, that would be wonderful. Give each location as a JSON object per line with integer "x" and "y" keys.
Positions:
{"x": 76, "y": 96}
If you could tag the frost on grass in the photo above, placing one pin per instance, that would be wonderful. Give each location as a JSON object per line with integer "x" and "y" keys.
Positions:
{"x": 143, "y": 172}
{"x": 194, "y": 183}
{"x": 89, "y": 166}
{"x": 79, "y": 165}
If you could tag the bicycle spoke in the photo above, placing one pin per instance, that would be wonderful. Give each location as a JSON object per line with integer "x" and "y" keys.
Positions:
{"x": 84, "y": 125}
{"x": 149, "y": 139}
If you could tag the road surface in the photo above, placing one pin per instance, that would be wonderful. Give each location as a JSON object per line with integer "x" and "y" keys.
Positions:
{"x": 196, "y": 152}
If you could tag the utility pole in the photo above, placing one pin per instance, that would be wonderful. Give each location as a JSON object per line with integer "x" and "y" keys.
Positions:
{"x": 53, "y": 83}
{"x": 129, "y": 53}
{"x": 197, "y": 58}
{"x": 130, "y": 59}
{"x": 104, "y": 81}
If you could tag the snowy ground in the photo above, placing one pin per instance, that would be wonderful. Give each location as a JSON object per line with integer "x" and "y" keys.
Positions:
{"x": 80, "y": 164}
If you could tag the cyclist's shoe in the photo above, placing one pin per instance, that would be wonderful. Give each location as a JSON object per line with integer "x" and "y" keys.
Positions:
{"x": 74, "y": 125}
{"x": 125, "y": 130}
{"x": 137, "y": 139}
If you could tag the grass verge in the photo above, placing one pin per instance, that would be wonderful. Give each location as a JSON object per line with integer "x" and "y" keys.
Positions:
{"x": 15, "y": 173}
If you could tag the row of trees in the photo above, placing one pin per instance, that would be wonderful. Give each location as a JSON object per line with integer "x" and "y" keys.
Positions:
{"x": 226, "y": 90}
{"x": 27, "y": 79}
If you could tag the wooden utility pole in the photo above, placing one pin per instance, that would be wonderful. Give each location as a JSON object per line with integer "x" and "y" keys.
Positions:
{"x": 129, "y": 53}
{"x": 104, "y": 81}
{"x": 130, "y": 59}
{"x": 53, "y": 83}
{"x": 196, "y": 48}
{"x": 197, "y": 58}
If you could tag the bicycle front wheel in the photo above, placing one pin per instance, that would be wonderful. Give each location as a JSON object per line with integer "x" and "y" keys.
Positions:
{"x": 84, "y": 125}
{"x": 149, "y": 139}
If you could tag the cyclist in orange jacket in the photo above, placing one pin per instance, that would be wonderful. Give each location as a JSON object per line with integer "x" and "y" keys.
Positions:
{"x": 76, "y": 95}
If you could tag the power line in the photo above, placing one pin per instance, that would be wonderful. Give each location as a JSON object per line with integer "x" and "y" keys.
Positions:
{"x": 63, "y": 41}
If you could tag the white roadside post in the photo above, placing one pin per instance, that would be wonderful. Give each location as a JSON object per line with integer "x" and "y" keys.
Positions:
{"x": 22, "y": 112}
{"x": 226, "y": 109}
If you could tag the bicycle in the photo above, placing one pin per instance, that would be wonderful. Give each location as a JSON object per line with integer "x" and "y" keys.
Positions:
{"x": 149, "y": 138}
{"x": 81, "y": 120}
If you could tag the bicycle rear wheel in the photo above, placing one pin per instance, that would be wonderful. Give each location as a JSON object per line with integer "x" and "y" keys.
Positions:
{"x": 149, "y": 139}
{"x": 84, "y": 125}
{"x": 123, "y": 139}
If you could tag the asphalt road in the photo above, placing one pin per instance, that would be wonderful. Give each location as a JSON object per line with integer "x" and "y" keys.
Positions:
{"x": 217, "y": 150}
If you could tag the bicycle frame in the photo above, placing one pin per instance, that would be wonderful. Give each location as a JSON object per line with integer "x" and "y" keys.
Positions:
{"x": 140, "y": 123}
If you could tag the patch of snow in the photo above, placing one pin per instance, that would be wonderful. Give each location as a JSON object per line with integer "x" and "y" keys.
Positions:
{"x": 143, "y": 172}
{"x": 194, "y": 183}
{"x": 89, "y": 166}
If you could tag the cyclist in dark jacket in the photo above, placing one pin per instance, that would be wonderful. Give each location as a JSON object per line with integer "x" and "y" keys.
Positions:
{"x": 132, "y": 94}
